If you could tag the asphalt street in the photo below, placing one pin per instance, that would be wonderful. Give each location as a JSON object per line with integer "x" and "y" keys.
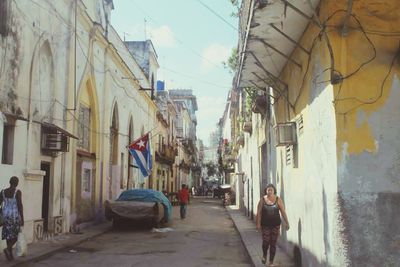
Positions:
{"x": 206, "y": 237}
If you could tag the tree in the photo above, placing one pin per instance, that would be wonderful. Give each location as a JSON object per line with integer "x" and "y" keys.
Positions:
{"x": 236, "y": 4}
{"x": 211, "y": 168}
{"x": 232, "y": 64}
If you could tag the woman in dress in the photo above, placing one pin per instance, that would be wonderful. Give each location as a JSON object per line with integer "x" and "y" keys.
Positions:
{"x": 269, "y": 210}
{"x": 13, "y": 216}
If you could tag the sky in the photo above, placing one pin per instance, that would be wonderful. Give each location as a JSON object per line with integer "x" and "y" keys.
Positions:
{"x": 191, "y": 43}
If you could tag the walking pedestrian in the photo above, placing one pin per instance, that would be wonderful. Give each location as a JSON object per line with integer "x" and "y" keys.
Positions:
{"x": 269, "y": 211}
{"x": 183, "y": 195}
{"x": 193, "y": 191}
{"x": 13, "y": 215}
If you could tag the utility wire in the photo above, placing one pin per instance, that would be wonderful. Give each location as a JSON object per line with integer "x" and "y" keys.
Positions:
{"x": 194, "y": 78}
{"x": 219, "y": 16}
{"x": 178, "y": 40}
{"x": 140, "y": 57}
{"x": 363, "y": 102}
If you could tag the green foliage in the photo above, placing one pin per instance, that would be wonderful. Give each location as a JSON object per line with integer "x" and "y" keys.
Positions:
{"x": 251, "y": 94}
{"x": 233, "y": 61}
{"x": 236, "y": 5}
{"x": 211, "y": 168}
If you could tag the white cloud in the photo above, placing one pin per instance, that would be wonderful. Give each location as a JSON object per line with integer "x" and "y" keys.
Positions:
{"x": 162, "y": 36}
{"x": 216, "y": 54}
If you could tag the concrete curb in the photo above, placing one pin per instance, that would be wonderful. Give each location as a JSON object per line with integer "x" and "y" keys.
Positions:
{"x": 252, "y": 240}
{"x": 250, "y": 248}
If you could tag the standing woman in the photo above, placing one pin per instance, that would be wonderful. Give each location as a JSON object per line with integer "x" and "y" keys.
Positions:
{"x": 13, "y": 216}
{"x": 269, "y": 210}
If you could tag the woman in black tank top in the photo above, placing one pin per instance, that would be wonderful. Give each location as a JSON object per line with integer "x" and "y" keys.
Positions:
{"x": 269, "y": 211}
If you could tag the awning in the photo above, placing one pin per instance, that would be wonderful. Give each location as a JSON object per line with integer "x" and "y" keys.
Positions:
{"x": 58, "y": 129}
{"x": 275, "y": 27}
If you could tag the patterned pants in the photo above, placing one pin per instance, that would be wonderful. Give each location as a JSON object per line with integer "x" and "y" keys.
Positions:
{"x": 270, "y": 237}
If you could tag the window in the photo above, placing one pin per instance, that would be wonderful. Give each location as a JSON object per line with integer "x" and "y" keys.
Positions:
{"x": 121, "y": 181}
{"x": 8, "y": 141}
{"x": 86, "y": 180}
{"x": 300, "y": 125}
{"x": 292, "y": 156}
{"x": 84, "y": 127}
{"x": 4, "y": 11}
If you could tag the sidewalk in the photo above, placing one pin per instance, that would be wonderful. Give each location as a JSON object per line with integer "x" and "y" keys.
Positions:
{"x": 246, "y": 228}
{"x": 45, "y": 248}
{"x": 252, "y": 239}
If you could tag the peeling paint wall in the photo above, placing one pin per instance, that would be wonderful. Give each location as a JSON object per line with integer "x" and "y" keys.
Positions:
{"x": 345, "y": 192}
{"x": 368, "y": 146}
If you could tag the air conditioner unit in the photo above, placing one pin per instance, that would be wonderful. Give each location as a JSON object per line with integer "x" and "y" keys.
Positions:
{"x": 285, "y": 134}
{"x": 54, "y": 142}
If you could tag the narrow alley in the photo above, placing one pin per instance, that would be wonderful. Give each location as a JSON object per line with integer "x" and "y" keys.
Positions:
{"x": 207, "y": 237}
{"x": 288, "y": 110}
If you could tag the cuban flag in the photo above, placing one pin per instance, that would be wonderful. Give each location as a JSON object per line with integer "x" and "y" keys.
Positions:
{"x": 140, "y": 150}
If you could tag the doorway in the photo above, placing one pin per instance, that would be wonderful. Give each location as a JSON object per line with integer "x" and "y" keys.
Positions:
{"x": 264, "y": 169}
{"x": 45, "y": 166}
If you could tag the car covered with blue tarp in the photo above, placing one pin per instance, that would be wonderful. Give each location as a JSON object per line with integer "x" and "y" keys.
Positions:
{"x": 139, "y": 205}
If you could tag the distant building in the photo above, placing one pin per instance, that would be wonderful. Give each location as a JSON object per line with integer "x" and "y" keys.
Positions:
{"x": 186, "y": 103}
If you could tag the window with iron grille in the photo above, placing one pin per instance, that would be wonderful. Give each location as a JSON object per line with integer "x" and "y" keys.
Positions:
{"x": 87, "y": 180}
{"x": 84, "y": 128}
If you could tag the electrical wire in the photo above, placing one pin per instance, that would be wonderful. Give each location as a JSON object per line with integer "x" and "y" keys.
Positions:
{"x": 178, "y": 40}
{"x": 194, "y": 78}
{"x": 58, "y": 16}
{"x": 342, "y": 77}
{"x": 363, "y": 102}
{"x": 307, "y": 68}
{"x": 37, "y": 31}
{"x": 139, "y": 104}
{"x": 217, "y": 15}
{"x": 362, "y": 64}
{"x": 139, "y": 58}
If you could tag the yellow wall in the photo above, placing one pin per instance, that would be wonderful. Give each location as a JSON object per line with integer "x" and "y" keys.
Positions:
{"x": 348, "y": 153}
{"x": 361, "y": 92}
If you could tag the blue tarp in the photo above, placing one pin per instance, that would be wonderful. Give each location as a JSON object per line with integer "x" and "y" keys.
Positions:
{"x": 147, "y": 195}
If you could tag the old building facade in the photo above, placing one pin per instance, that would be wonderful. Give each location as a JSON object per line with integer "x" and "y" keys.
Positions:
{"x": 320, "y": 79}
{"x": 72, "y": 98}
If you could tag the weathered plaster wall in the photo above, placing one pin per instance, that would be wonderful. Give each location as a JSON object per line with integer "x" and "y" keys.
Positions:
{"x": 32, "y": 50}
{"x": 348, "y": 153}
{"x": 249, "y": 155}
{"x": 368, "y": 146}
{"x": 37, "y": 82}
{"x": 370, "y": 188}
{"x": 309, "y": 189}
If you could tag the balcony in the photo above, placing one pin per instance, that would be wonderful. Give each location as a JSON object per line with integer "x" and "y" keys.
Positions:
{"x": 166, "y": 154}
{"x": 260, "y": 105}
{"x": 184, "y": 165}
{"x": 247, "y": 127}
